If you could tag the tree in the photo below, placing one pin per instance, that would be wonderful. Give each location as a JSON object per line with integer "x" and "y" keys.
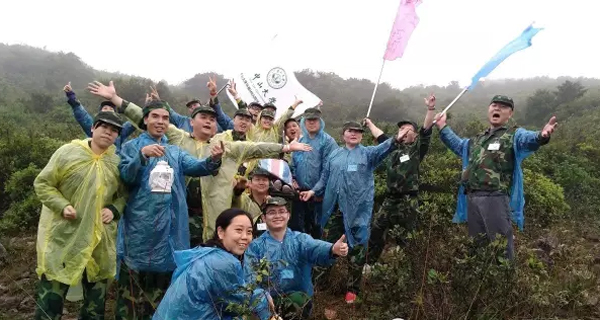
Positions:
{"x": 569, "y": 91}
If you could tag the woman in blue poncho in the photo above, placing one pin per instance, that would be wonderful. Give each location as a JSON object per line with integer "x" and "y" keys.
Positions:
{"x": 209, "y": 278}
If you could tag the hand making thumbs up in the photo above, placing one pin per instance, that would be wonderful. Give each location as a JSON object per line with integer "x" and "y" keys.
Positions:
{"x": 340, "y": 247}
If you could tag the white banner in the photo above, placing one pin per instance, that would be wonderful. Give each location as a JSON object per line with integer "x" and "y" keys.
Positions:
{"x": 274, "y": 84}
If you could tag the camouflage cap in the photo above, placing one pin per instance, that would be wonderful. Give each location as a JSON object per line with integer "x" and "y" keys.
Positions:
{"x": 351, "y": 125}
{"x": 312, "y": 113}
{"x": 194, "y": 100}
{"x": 403, "y": 122}
{"x": 273, "y": 201}
{"x": 243, "y": 112}
{"x": 204, "y": 109}
{"x": 269, "y": 106}
{"x": 258, "y": 171}
{"x": 108, "y": 117}
{"x": 503, "y": 100}
{"x": 267, "y": 114}
{"x": 153, "y": 105}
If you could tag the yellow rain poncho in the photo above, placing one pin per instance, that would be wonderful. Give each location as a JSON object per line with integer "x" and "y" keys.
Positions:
{"x": 258, "y": 134}
{"x": 217, "y": 190}
{"x": 274, "y": 135}
{"x": 65, "y": 248}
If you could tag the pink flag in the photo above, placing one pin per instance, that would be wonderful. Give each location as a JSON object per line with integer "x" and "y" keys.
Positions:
{"x": 405, "y": 24}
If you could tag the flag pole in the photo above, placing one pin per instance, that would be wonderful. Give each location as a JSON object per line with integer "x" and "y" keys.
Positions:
{"x": 375, "y": 89}
{"x": 450, "y": 105}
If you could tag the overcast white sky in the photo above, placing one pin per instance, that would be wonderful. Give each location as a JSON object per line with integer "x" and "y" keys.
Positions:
{"x": 175, "y": 39}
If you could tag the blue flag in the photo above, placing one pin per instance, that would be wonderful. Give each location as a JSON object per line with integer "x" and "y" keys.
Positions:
{"x": 520, "y": 43}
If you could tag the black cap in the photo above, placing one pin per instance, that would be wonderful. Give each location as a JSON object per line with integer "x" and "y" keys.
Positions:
{"x": 273, "y": 201}
{"x": 258, "y": 171}
{"x": 403, "y": 122}
{"x": 195, "y": 100}
{"x": 204, "y": 109}
{"x": 255, "y": 104}
{"x": 243, "y": 112}
{"x": 351, "y": 125}
{"x": 107, "y": 103}
{"x": 505, "y": 100}
{"x": 289, "y": 120}
{"x": 269, "y": 105}
{"x": 108, "y": 117}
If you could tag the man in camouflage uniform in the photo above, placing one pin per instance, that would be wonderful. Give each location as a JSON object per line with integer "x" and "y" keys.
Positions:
{"x": 491, "y": 191}
{"x": 401, "y": 205}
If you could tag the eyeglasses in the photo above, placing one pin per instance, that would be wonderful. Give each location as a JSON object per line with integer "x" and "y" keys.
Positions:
{"x": 281, "y": 212}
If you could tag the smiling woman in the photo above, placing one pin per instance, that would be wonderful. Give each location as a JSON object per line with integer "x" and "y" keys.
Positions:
{"x": 209, "y": 278}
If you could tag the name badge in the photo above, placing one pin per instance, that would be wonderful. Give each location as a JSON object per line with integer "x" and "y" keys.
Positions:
{"x": 287, "y": 274}
{"x": 261, "y": 226}
{"x": 404, "y": 158}
{"x": 494, "y": 146}
{"x": 352, "y": 167}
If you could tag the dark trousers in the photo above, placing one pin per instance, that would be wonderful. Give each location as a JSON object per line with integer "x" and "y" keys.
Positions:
{"x": 488, "y": 214}
{"x": 306, "y": 217}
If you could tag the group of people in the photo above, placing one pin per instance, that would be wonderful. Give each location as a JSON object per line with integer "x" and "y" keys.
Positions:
{"x": 182, "y": 216}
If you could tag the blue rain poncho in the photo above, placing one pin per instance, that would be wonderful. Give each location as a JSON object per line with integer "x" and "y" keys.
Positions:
{"x": 155, "y": 224}
{"x": 290, "y": 261}
{"x": 348, "y": 175}
{"x": 307, "y": 166}
{"x": 206, "y": 281}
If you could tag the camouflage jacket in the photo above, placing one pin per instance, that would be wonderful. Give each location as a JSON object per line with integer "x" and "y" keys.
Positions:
{"x": 491, "y": 161}
{"x": 403, "y": 164}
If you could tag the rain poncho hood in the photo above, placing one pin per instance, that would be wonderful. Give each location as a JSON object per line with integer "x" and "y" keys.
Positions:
{"x": 525, "y": 143}
{"x": 65, "y": 248}
{"x": 156, "y": 224}
{"x": 205, "y": 282}
{"x": 307, "y": 166}
{"x": 258, "y": 134}
{"x": 290, "y": 261}
{"x": 348, "y": 181}
{"x": 217, "y": 190}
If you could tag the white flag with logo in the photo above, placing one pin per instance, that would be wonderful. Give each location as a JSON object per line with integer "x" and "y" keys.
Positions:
{"x": 273, "y": 84}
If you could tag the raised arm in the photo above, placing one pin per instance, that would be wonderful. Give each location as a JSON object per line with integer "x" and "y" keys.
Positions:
{"x": 529, "y": 141}
{"x": 375, "y": 131}
{"x": 452, "y": 141}
{"x": 81, "y": 115}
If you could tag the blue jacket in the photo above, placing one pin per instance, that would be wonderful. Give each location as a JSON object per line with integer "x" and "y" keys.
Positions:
{"x": 86, "y": 122}
{"x": 308, "y": 166}
{"x": 155, "y": 224}
{"x": 206, "y": 280}
{"x": 525, "y": 143}
{"x": 348, "y": 182}
{"x": 291, "y": 261}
